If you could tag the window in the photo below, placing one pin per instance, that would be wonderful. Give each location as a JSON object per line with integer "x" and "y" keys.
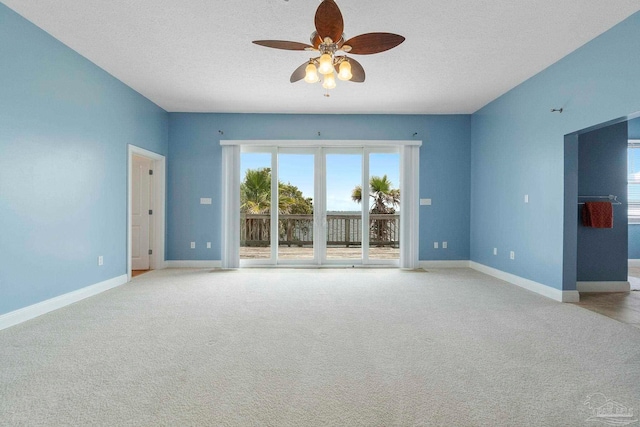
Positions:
{"x": 633, "y": 180}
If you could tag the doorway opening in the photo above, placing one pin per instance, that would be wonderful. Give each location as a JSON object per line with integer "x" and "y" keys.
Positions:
{"x": 633, "y": 200}
{"x": 607, "y": 259}
{"x": 145, "y": 211}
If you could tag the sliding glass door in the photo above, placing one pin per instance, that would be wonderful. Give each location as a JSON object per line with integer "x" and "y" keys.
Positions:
{"x": 255, "y": 207}
{"x": 309, "y": 206}
{"x": 343, "y": 211}
{"x": 296, "y": 221}
{"x": 384, "y": 207}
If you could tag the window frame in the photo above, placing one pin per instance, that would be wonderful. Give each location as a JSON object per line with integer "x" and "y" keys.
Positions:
{"x": 633, "y": 208}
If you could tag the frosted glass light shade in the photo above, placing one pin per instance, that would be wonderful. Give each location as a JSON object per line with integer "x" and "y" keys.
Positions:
{"x": 311, "y": 74}
{"x": 326, "y": 64}
{"x": 329, "y": 81}
{"x": 345, "y": 71}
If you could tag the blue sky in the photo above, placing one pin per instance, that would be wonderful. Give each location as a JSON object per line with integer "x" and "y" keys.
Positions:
{"x": 344, "y": 172}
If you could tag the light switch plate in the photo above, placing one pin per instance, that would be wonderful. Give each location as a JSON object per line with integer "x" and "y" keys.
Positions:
{"x": 205, "y": 200}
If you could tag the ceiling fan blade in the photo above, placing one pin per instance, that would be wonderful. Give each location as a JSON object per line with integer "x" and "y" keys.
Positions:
{"x": 329, "y": 22}
{"x": 367, "y": 44}
{"x": 356, "y": 71}
{"x": 280, "y": 44}
{"x": 299, "y": 73}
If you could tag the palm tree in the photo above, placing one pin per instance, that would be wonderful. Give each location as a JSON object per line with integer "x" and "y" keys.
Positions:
{"x": 385, "y": 198}
{"x": 385, "y": 201}
{"x": 255, "y": 191}
{"x": 255, "y": 198}
{"x": 255, "y": 195}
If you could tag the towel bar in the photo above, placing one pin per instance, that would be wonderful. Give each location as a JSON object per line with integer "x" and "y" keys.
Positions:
{"x": 614, "y": 199}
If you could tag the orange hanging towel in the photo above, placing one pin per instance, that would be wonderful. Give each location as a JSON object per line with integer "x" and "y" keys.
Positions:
{"x": 597, "y": 215}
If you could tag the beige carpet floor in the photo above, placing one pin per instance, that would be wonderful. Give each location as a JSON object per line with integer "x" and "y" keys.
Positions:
{"x": 329, "y": 347}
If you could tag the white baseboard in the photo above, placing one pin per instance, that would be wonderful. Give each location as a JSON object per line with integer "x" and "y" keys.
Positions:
{"x": 539, "y": 288}
{"x": 27, "y": 313}
{"x": 603, "y": 286}
{"x": 634, "y": 263}
{"x": 193, "y": 264}
{"x": 444, "y": 264}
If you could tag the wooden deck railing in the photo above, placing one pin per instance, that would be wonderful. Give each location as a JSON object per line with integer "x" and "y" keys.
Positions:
{"x": 343, "y": 230}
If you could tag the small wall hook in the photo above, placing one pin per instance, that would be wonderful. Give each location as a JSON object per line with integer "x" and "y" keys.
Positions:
{"x": 415, "y": 134}
{"x": 318, "y": 133}
{"x": 220, "y": 132}
{"x": 557, "y": 110}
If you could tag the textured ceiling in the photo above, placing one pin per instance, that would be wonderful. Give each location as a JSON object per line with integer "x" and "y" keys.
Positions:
{"x": 197, "y": 55}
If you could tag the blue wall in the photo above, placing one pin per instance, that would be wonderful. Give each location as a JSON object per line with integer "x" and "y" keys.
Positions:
{"x": 517, "y": 148}
{"x": 195, "y": 167}
{"x": 602, "y": 164}
{"x": 64, "y": 129}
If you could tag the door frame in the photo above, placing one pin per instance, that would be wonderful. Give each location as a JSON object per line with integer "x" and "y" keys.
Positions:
{"x": 409, "y": 161}
{"x": 157, "y": 222}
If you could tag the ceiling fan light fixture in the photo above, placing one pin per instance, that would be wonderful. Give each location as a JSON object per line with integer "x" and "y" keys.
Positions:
{"x": 326, "y": 64}
{"x": 329, "y": 81}
{"x": 311, "y": 74}
{"x": 345, "y": 71}
{"x": 328, "y": 40}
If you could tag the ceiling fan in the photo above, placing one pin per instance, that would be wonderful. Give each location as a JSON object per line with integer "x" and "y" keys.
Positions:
{"x": 328, "y": 39}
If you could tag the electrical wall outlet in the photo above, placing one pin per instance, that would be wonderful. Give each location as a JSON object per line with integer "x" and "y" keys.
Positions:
{"x": 512, "y": 255}
{"x": 435, "y": 245}
{"x": 444, "y": 245}
{"x": 100, "y": 260}
{"x": 495, "y": 251}
{"x": 193, "y": 245}
{"x": 208, "y": 245}
{"x": 526, "y": 198}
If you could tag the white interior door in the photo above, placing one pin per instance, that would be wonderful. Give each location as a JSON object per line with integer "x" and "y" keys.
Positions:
{"x": 140, "y": 217}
